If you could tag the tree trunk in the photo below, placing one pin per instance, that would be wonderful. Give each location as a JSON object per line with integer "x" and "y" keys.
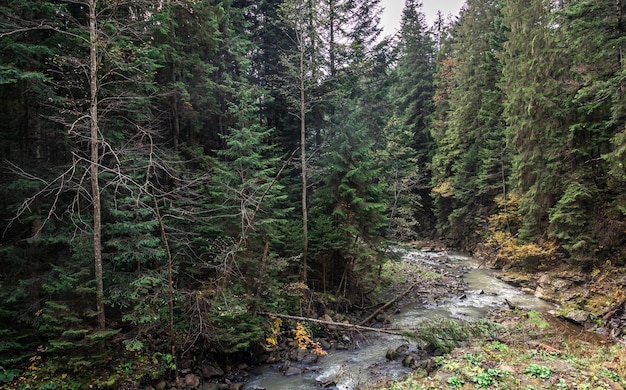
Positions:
{"x": 305, "y": 234}
{"x": 95, "y": 187}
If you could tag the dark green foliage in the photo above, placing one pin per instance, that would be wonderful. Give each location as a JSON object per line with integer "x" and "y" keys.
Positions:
{"x": 470, "y": 163}
{"x": 412, "y": 96}
{"x": 348, "y": 213}
{"x": 536, "y": 110}
{"x": 199, "y": 180}
{"x": 445, "y": 335}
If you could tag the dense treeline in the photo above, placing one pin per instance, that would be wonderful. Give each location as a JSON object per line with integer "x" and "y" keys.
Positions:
{"x": 172, "y": 169}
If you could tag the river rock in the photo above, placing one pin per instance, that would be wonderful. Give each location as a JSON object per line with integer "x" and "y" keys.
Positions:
{"x": 236, "y": 386}
{"x": 401, "y": 350}
{"x": 291, "y": 371}
{"x": 391, "y": 354}
{"x": 210, "y": 371}
{"x": 408, "y": 361}
{"x": 161, "y": 385}
{"x": 578, "y": 316}
{"x": 214, "y": 386}
{"x": 192, "y": 380}
{"x": 325, "y": 344}
{"x": 553, "y": 289}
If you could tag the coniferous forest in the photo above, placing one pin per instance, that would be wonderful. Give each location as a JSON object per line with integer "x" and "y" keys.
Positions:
{"x": 173, "y": 170}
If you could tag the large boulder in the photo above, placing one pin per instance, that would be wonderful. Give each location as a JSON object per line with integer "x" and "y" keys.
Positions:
{"x": 192, "y": 381}
{"x": 211, "y": 371}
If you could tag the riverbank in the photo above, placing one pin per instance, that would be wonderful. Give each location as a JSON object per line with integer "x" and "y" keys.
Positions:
{"x": 578, "y": 345}
{"x": 532, "y": 351}
{"x": 447, "y": 309}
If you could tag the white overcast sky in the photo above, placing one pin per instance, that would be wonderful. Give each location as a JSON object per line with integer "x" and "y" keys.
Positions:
{"x": 390, "y": 19}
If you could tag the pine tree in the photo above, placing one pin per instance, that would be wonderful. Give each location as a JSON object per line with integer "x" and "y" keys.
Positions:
{"x": 348, "y": 206}
{"x": 413, "y": 94}
{"x": 469, "y": 162}
{"x": 535, "y": 110}
{"x": 591, "y": 33}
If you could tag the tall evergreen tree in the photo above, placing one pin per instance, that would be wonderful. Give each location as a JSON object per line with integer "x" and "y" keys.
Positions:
{"x": 348, "y": 207}
{"x": 413, "y": 94}
{"x": 590, "y": 32}
{"x": 469, "y": 167}
{"x": 535, "y": 110}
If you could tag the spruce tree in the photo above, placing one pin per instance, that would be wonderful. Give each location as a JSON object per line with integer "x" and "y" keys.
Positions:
{"x": 413, "y": 93}
{"x": 470, "y": 159}
{"x": 535, "y": 110}
{"x": 348, "y": 209}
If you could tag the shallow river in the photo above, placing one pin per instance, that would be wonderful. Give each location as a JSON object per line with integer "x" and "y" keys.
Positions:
{"x": 351, "y": 368}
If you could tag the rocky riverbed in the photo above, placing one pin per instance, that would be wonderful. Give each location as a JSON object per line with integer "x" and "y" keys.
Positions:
{"x": 430, "y": 291}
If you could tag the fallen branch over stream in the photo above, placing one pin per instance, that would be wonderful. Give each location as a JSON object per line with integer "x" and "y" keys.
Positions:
{"x": 386, "y": 305}
{"x": 332, "y": 323}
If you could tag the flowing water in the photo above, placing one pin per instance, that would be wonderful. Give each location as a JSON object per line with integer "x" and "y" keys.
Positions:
{"x": 348, "y": 369}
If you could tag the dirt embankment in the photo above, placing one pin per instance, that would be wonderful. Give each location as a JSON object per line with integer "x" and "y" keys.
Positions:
{"x": 594, "y": 300}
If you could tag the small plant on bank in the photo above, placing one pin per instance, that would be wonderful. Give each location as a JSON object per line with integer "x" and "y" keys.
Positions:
{"x": 534, "y": 318}
{"x": 612, "y": 375}
{"x": 473, "y": 359}
{"x": 498, "y": 346}
{"x": 305, "y": 341}
{"x": 8, "y": 375}
{"x": 455, "y": 382}
{"x": 537, "y": 371}
{"x": 486, "y": 378}
{"x": 561, "y": 385}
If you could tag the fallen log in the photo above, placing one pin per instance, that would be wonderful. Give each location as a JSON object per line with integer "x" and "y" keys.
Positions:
{"x": 386, "y": 305}
{"x": 331, "y": 323}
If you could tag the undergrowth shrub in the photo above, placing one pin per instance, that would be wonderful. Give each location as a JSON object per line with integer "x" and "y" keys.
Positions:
{"x": 502, "y": 246}
{"x": 445, "y": 334}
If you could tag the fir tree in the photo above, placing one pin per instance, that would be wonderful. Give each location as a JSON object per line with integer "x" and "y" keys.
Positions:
{"x": 413, "y": 94}
{"x": 469, "y": 162}
{"x": 535, "y": 110}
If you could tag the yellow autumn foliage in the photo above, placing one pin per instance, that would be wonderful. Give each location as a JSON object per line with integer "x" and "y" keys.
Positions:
{"x": 504, "y": 245}
{"x": 305, "y": 341}
{"x": 271, "y": 335}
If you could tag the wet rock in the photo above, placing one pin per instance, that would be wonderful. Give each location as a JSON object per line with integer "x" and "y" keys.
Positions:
{"x": 192, "y": 380}
{"x": 303, "y": 356}
{"x": 213, "y": 386}
{"x": 401, "y": 350}
{"x": 325, "y": 344}
{"x": 391, "y": 354}
{"x": 291, "y": 371}
{"x": 236, "y": 386}
{"x": 408, "y": 361}
{"x": 209, "y": 371}
{"x": 208, "y": 386}
{"x": 578, "y": 316}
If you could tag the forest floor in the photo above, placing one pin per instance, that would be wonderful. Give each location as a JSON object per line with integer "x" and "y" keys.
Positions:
{"x": 569, "y": 348}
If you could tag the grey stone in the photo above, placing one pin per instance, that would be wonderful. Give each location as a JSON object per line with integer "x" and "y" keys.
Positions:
{"x": 291, "y": 371}
{"x": 577, "y": 315}
{"x": 210, "y": 371}
{"x": 192, "y": 380}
